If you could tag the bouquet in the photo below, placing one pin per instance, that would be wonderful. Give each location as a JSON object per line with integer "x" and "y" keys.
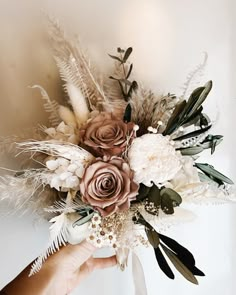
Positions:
{"x": 117, "y": 162}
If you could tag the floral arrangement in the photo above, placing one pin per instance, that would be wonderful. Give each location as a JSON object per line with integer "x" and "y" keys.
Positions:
{"x": 117, "y": 162}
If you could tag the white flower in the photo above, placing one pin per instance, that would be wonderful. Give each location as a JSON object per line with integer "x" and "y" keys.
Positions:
{"x": 96, "y": 219}
{"x": 153, "y": 158}
{"x": 63, "y": 132}
{"x": 187, "y": 176}
{"x": 64, "y": 173}
{"x": 76, "y": 233}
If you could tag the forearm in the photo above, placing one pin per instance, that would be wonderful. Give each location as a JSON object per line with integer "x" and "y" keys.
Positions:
{"x": 40, "y": 283}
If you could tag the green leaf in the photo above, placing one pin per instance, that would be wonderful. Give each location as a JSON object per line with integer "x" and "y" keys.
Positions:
{"x": 193, "y": 134}
{"x": 173, "y": 121}
{"x": 115, "y": 57}
{"x": 127, "y": 54}
{"x": 163, "y": 263}
{"x": 153, "y": 237}
{"x": 191, "y": 151}
{"x": 173, "y": 195}
{"x": 194, "y": 118}
{"x": 166, "y": 204}
{"x": 129, "y": 72}
{"x": 119, "y": 50}
{"x": 186, "y": 273}
{"x": 154, "y": 195}
{"x": 127, "y": 114}
{"x": 211, "y": 141}
{"x": 83, "y": 220}
{"x": 204, "y": 178}
{"x": 143, "y": 192}
{"x": 133, "y": 87}
{"x": 202, "y": 97}
{"x": 210, "y": 171}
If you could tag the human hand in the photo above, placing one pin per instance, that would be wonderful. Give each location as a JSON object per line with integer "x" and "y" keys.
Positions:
{"x": 61, "y": 273}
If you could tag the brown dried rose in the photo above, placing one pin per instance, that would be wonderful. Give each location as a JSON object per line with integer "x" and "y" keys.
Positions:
{"x": 108, "y": 185}
{"x": 106, "y": 135}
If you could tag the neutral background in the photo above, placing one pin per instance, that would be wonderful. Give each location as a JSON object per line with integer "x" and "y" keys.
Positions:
{"x": 169, "y": 38}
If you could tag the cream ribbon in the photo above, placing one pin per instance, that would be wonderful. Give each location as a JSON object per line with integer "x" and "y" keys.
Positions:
{"x": 138, "y": 276}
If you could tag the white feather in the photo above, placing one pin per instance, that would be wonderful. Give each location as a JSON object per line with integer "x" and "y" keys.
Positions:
{"x": 64, "y": 150}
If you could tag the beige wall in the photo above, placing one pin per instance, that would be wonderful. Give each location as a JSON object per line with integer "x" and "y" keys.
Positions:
{"x": 168, "y": 37}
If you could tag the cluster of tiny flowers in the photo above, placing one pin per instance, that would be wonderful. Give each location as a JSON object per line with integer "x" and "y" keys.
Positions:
{"x": 100, "y": 236}
{"x": 151, "y": 208}
{"x": 65, "y": 173}
{"x": 63, "y": 132}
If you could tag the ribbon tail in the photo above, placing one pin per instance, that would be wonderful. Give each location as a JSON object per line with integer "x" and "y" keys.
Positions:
{"x": 138, "y": 276}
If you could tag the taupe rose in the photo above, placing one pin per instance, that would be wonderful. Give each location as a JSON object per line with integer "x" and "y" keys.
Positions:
{"x": 108, "y": 185}
{"x": 106, "y": 135}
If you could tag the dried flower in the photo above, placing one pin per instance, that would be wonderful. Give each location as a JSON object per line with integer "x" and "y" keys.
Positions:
{"x": 63, "y": 132}
{"x": 106, "y": 135}
{"x": 153, "y": 159}
{"x": 108, "y": 185}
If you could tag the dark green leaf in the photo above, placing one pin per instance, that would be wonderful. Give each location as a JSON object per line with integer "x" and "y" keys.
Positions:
{"x": 119, "y": 50}
{"x": 127, "y": 114}
{"x": 154, "y": 196}
{"x": 138, "y": 219}
{"x": 132, "y": 88}
{"x": 143, "y": 192}
{"x": 211, "y": 141}
{"x": 83, "y": 220}
{"x": 167, "y": 204}
{"x": 173, "y": 195}
{"x": 153, "y": 237}
{"x": 129, "y": 72}
{"x": 182, "y": 252}
{"x": 193, "y": 134}
{"x": 179, "y": 265}
{"x": 191, "y": 151}
{"x": 194, "y": 97}
{"x": 163, "y": 263}
{"x": 127, "y": 54}
{"x": 115, "y": 57}
{"x": 202, "y": 97}
{"x": 194, "y": 118}
{"x": 210, "y": 171}
{"x": 173, "y": 121}
{"x": 204, "y": 120}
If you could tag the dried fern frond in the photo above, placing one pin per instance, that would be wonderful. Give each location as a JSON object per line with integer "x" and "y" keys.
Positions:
{"x": 75, "y": 68}
{"x": 58, "y": 237}
{"x": 149, "y": 109}
{"x": 194, "y": 78}
{"x": 50, "y": 106}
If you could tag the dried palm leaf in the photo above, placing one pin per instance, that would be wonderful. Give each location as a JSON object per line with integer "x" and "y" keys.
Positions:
{"x": 194, "y": 78}
{"x": 58, "y": 237}
{"x": 50, "y": 106}
{"x": 75, "y": 68}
